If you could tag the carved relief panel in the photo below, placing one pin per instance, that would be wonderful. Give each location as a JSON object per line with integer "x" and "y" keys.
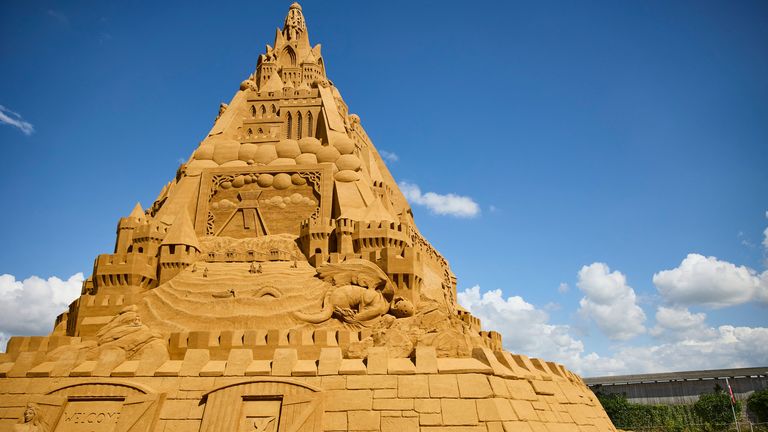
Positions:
{"x": 100, "y": 407}
{"x": 251, "y": 202}
{"x": 267, "y": 405}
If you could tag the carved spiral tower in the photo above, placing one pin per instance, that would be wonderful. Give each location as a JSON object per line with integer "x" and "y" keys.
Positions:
{"x": 279, "y": 283}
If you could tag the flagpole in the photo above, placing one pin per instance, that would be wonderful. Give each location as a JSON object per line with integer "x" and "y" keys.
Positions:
{"x": 733, "y": 410}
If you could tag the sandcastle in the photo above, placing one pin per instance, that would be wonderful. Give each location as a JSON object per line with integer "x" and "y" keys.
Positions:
{"x": 279, "y": 283}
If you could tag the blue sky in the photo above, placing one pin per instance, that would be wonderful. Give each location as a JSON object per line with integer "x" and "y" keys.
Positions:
{"x": 594, "y": 138}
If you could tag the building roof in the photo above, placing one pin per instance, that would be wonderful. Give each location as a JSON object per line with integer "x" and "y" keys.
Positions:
{"x": 677, "y": 376}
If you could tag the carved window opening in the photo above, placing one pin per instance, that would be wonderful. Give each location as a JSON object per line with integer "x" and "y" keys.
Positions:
{"x": 310, "y": 132}
{"x": 274, "y": 110}
{"x": 253, "y": 111}
{"x": 289, "y": 126}
{"x": 298, "y": 126}
{"x": 263, "y": 111}
{"x": 172, "y": 249}
{"x": 141, "y": 250}
{"x": 290, "y": 55}
{"x": 250, "y": 132}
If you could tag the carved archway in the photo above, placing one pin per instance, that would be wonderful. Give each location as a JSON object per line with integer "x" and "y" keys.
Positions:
{"x": 267, "y": 405}
{"x": 106, "y": 405}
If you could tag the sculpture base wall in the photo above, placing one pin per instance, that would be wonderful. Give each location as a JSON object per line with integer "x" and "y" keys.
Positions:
{"x": 490, "y": 391}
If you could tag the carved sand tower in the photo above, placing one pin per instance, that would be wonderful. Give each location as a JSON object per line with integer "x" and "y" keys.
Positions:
{"x": 279, "y": 284}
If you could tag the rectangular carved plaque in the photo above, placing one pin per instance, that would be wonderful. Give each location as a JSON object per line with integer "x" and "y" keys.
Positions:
{"x": 90, "y": 416}
{"x": 260, "y": 415}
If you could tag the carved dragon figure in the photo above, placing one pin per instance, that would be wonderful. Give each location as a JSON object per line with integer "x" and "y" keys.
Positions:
{"x": 360, "y": 292}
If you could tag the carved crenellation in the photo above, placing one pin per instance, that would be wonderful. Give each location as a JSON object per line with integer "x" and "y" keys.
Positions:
{"x": 314, "y": 239}
{"x": 174, "y": 258}
{"x": 268, "y": 348}
{"x": 147, "y": 237}
{"x": 472, "y": 321}
{"x": 405, "y": 268}
{"x": 493, "y": 339}
{"x": 123, "y": 270}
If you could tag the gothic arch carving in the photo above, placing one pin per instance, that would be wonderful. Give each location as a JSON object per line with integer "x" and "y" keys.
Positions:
{"x": 288, "y": 57}
{"x": 289, "y": 125}
{"x": 299, "y": 125}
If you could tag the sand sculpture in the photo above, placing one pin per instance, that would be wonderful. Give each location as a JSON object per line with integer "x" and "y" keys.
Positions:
{"x": 279, "y": 283}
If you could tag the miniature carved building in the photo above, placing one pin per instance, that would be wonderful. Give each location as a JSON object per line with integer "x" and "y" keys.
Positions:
{"x": 279, "y": 283}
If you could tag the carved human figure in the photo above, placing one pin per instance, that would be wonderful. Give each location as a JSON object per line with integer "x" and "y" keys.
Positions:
{"x": 31, "y": 421}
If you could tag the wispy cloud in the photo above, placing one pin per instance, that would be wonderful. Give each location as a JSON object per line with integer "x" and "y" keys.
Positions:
{"x": 14, "y": 119}
{"x": 448, "y": 204}
{"x": 104, "y": 37}
{"x": 389, "y": 156}
{"x": 58, "y": 16}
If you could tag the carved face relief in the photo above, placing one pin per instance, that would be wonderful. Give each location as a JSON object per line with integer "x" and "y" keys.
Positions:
{"x": 136, "y": 321}
{"x": 29, "y": 414}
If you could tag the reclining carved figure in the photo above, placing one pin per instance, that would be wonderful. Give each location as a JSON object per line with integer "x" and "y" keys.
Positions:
{"x": 360, "y": 292}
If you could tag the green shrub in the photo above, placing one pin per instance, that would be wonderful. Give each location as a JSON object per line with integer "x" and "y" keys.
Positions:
{"x": 757, "y": 404}
{"x": 714, "y": 409}
{"x": 626, "y": 415}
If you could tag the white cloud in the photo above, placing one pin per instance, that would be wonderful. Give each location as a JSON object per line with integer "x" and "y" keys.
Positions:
{"x": 527, "y": 330}
{"x": 14, "y": 119}
{"x": 609, "y": 302}
{"x": 679, "y": 323}
{"x": 29, "y": 307}
{"x": 450, "y": 204}
{"x": 765, "y": 244}
{"x": 389, "y": 156}
{"x": 716, "y": 348}
{"x": 563, "y": 288}
{"x": 707, "y": 281}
